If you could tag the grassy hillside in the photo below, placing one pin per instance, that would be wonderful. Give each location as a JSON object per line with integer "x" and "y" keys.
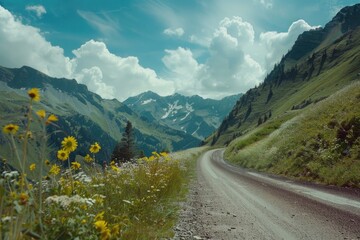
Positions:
{"x": 292, "y": 86}
{"x": 320, "y": 143}
{"x": 81, "y": 113}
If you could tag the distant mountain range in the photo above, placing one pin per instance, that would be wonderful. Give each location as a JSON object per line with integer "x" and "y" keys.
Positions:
{"x": 321, "y": 62}
{"x": 192, "y": 115}
{"x": 82, "y": 114}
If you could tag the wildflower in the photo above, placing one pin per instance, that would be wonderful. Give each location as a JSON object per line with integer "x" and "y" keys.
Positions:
{"x": 83, "y": 221}
{"x": 99, "y": 216}
{"x": 54, "y": 170}
{"x": 115, "y": 168}
{"x": 164, "y": 154}
{"x": 115, "y": 230}
{"x": 51, "y": 118}
{"x": 88, "y": 159}
{"x": 29, "y": 134}
{"x": 69, "y": 144}
{"x": 34, "y": 94}
{"x": 62, "y": 155}
{"x": 75, "y": 165}
{"x": 41, "y": 113}
{"x": 101, "y": 226}
{"x": 32, "y": 167}
{"x": 95, "y": 148}
{"x": 10, "y": 128}
{"x": 47, "y": 162}
{"x": 23, "y": 198}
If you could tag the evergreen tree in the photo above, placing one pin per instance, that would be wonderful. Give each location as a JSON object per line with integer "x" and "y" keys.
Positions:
{"x": 125, "y": 150}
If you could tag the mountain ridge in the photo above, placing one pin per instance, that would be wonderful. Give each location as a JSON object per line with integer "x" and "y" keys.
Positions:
{"x": 83, "y": 114}
{"x": 308, "y": 73}
{"x": 191, "y": 114}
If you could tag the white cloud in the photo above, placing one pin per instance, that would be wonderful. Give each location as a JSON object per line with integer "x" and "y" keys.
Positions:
{"x": 237, "y": 59}
{"x": 122, "y": 77}
{"x": 178, "y": 32}
{"x": 38, "y": 9}
{"x": 266, "y": 3}
{"x": 186, "y": 72}
{"x": 24, "y": 45}
{"x": 103, "y": 23}
{"x": 277, "y": 44}
{"x": 103, "y": 72}
{"x": 228, "y": 70}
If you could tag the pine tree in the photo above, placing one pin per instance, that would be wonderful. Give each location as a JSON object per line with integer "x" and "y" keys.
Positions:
{"x": 124, "y": 151}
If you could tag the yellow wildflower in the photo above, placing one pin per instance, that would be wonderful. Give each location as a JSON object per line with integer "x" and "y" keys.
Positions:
{"x": 32, "y": 167}
{"x": 115, "y": 230}
{"x": 54, "y": 170}
{"x": 151, "y": 158}
{"x": 75, "y": 165}
{"x": 10, "y": 128}
{"x": 41, "y": 113}
{"x": 164, "y": 154}
{"x": 29, "y": 134}
{"x": 23, "y": 198}
{"x": 69, "y": 144}
{"x": 83, "y": 221}
{"x": 62, "y": 155}
{"x": 88, "y": 159}
{"x": 101, "y": 226}
{"x": 115, "y": 168}
{"x": 34, "y": 94}
{"x": 95, "y": 148}
{"x": 51, "y": 118}
{"x": 99, "y": 216}
{"x": 47, "y": 162}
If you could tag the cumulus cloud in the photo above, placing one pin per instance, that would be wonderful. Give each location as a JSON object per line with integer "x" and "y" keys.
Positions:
{"x": 237, "y": 59}
{"x": 39, "y": 10}
{"x": 119, "y": 77}
{"x": 24, "y": 45}
{"x": 278, "y": 43}
{"x": 228, "y": 69}
{"x": 103, "y": 72}
{"x": 177, "y": 32}
{"x": 185, "y": 70}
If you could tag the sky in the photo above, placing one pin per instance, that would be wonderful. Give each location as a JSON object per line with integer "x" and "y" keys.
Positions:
{"x": 121, "y": 48}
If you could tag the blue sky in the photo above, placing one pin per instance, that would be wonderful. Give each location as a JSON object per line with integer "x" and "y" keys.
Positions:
{"x": 212, "y": 48}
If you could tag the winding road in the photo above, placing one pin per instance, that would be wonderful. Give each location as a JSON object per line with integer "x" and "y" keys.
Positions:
{"x": 228, "y": 202}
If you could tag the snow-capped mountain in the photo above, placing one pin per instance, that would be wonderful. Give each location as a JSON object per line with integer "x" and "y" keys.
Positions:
{"x": 193, "y": 115}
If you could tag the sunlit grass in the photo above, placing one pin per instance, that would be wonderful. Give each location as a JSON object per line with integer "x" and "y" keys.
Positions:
{"x": 321, "y": 144}
{"x": 137, "y": 200}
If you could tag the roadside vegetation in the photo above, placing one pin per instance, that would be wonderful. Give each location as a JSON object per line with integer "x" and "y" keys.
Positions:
{"x": 320, "y": 143}
{"x": 131, "y": 200}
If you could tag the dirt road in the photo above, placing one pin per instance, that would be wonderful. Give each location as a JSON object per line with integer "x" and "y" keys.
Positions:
{"x": 227, "y": 202}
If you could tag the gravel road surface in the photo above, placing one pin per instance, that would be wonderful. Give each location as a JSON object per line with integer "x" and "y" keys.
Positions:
{"x": 228, "y": 202}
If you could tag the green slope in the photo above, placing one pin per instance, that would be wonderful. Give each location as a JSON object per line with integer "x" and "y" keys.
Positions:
{"x": 303, "y": 120}
{"x": 321, "y": 144}
{"x": 81, "y": 113}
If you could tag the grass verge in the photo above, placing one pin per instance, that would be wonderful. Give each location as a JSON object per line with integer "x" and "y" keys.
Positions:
{"x": 321, "y": 144}
{"x": 137, "y": 200}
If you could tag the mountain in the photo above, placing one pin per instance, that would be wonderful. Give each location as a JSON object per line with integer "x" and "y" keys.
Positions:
{"x": 193, "y": 115}
{"x": 303, "y": 121}
{"x": 321, "y": 62}
{"x": 82, "y": 114}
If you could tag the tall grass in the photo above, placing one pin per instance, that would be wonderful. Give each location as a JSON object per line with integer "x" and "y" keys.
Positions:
{"x": 321, "y": 144}
{"x": 136, "y": 200}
